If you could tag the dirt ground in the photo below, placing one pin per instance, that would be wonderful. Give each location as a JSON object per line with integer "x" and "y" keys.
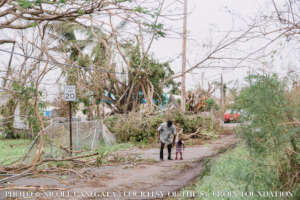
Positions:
{"x": 148, "y": 179}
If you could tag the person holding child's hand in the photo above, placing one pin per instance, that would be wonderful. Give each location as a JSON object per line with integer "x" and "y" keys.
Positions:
{"x": 166, "y": 135}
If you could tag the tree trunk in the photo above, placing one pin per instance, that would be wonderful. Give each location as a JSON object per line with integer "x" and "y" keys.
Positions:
{"x": 11, "y": 108}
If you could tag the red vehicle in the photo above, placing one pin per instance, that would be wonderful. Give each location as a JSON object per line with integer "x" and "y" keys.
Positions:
{"x": 229, "y": 116}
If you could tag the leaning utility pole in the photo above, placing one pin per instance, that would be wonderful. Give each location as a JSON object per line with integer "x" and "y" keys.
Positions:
{"x": 183, "y": 94}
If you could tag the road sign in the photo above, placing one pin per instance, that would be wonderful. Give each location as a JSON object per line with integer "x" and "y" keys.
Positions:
{"x": 70, "y": 93}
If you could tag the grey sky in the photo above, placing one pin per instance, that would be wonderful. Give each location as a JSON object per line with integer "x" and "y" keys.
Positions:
{"x": 205, "y": 19}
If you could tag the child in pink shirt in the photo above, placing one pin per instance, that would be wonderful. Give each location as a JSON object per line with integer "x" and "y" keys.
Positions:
{"x": 179, "y": 148}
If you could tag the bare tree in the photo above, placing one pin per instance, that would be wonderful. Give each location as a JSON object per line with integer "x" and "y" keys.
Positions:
{"x": 22, "y": 80}
{"x": 26, "y": 14}
{"x": 114, "y": 72}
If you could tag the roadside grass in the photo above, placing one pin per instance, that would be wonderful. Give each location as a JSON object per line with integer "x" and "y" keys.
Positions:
{"x": 232, "y": 176}
{"x": 113, "y": 148}
{"x": 103, "y": 150}
{"x": 106, "y": 150}
{"x": 12, "y": 149}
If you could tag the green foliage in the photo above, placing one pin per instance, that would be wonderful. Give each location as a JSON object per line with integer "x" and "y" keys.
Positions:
{"x": 188, "y": 124}
{"x": 209, "y": 104}
{"x": 122, "y": 1}
{"x": 30, "y": 3}
{"x": 136, "y": 127}
{"x": 235, "y": 171}
{"x": 141, "y": 10}
{"x": 105, "y": 150}
{"x": 81, "y": 11}
{"x": 65, "y": 33}
{"x": 267, "y": 110}
{"x": 151, "y": 69}
{"x": 23, "y": 95}
{"x": 26, "y": 94}
{"x": 112, "y": 148}
{"x": 157, "y": 29}
{"x": 25, "y": 4}
{"x": 298, "y": 158}
{"x": 100, "y": 158}
{"x": 38, "y": 2}
{"x": 145, "y": 72}
{"x": 84, "y": 61}
{"x": 34, "y": 24}
{"x": 265, "y": 106}
{"x": 12, "y": 150}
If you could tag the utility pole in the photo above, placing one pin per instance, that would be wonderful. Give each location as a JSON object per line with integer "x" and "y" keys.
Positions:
{"x": 202, "y": 79}
{"x": 183, "y": 93}
{"x": 222, "y": 96}
{"x": 8, "y": 72}
{"x": 222, "y": 92}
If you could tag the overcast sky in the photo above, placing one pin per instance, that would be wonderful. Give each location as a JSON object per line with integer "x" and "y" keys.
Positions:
{"x": 204, "y": 18}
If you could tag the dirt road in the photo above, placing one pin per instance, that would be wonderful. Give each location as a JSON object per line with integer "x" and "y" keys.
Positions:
{"x": 147, "y": 179}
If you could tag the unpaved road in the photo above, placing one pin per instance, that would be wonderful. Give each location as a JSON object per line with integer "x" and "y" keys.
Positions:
{"x": 149, "y": 179}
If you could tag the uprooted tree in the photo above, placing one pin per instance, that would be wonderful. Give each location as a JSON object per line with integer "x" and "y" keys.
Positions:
{"x": 42, "y": 16}
{"x": 200, "y": 100}
{"x": 93, "y": 71}
{"x": 98, "y": 76}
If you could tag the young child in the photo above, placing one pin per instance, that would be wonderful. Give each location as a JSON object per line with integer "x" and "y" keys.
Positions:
{"x": 179, "y": 148}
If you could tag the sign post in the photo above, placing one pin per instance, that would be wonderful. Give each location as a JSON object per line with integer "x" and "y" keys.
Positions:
{"x": 70, "y": 95}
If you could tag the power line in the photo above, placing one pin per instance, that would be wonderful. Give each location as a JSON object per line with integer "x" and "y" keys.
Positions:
{"x": 106, "y": 71}
{"x": 58, "y": 63}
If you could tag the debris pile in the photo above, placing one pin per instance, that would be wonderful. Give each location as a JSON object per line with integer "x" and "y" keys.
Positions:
{"x": 196, "y": 100}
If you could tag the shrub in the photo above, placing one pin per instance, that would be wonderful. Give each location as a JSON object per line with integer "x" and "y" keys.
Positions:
{"x": 270, "y": 133}
{"x": 209, "y": 104}
{"x": 136, "y": 127}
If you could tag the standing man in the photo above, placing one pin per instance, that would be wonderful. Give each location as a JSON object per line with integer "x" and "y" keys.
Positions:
{"x": 166, "y": 134}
